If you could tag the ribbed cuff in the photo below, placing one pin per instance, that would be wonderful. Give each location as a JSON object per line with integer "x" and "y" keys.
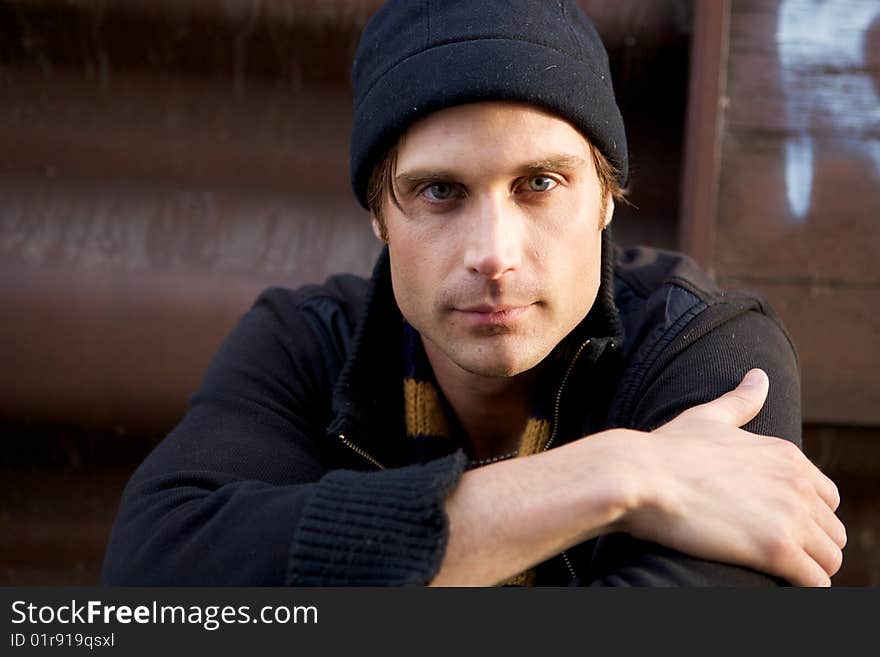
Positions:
{"x": 385, "y": 528}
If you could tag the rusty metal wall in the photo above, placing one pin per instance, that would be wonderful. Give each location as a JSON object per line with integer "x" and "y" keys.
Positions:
{"x": 783, "y": 196}
{"x": 163, "y": 162}
{"x": 800, "y": 166}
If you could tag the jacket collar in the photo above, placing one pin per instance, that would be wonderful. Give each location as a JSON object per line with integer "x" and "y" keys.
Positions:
{"x": 368, "y": 395}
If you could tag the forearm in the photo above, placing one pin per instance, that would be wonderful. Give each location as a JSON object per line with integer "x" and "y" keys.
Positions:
{"x": 348, "y": 528}
{"x": 510, "y": 516}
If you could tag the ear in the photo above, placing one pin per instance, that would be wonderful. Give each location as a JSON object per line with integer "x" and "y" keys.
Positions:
{"x": 609, "y": 211}
{"x": 377, "y": 228}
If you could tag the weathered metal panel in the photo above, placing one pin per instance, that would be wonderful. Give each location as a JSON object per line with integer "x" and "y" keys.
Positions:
{"x": 796, "y": 215}
{"x": 799, "y": 193}
{"x": 708, "y": 71}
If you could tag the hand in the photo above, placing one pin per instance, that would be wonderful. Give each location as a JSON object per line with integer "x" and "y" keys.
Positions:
{"x": 717, "y": 492}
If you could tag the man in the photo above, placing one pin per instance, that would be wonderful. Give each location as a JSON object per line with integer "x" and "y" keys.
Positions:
{"x": 510, "y": 399}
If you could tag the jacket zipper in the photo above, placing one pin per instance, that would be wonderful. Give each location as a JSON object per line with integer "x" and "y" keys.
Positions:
{"x": 357, "y": 450}
{"x": 549, "y": 442}
{"x": 559, "y": 392}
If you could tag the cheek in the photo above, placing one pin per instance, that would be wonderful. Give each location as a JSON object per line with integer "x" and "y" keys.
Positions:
{"x": 569, "y": 238}
{"x": 571, "y": 257}
{"x": 410, "y": 277}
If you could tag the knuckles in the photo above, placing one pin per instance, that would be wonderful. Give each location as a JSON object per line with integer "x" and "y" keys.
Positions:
{"x": 790, "y": 452}
{"x": 802, "y": 486}
{"x": 780, "y": 551}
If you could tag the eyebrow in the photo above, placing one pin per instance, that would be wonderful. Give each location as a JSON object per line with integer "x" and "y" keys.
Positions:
{"x": 424, "y": 175}
{"x": 551, "y": 163}
{"x": 556, "y": 163}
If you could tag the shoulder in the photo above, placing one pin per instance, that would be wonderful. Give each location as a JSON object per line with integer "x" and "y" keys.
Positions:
{"x": 655, "y": 290}
{"x": 339, "y": 298}
{"x": 325, "y": 314}
{"x": 659, "y": 293}
{"x": 290, "y": 338}
{"x": 687, "y": 340}
{"x": 642, "y": 270}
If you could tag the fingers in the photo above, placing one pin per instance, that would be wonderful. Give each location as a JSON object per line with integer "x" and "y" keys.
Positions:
{"x": 823, "y": 534}
{"x": 827, "y": 489}
{"x": 824, "y": 550}
{"x": 817, "y": 561}
{"x": 830, "y": 525}
{"x": 738, "y": 406}
{"x": 801, "y": 470}
{"x": 806, "y": 572}
{"x": 809, "y": 552}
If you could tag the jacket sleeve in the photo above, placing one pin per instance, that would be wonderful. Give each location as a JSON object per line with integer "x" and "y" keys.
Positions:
{"x": 700, "y": 371}
{"x": 237, "y": 493}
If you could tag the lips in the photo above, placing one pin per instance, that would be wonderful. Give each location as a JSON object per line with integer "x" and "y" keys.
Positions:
{"x": 493, "y": 314}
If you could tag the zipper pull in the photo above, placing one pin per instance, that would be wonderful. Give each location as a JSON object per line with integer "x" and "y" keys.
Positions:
{"x": 360, "y": 452}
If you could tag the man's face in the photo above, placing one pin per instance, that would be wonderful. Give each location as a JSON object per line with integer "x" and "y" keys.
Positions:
{"x": 495, "y": 245}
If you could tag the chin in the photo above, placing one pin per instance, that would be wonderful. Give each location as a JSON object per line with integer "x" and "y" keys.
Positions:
{"x": 497, "y": 364}
{"x": 493, "y": 370}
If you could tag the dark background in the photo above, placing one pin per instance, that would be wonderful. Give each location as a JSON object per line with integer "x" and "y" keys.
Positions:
{"x": 165, "y": 160}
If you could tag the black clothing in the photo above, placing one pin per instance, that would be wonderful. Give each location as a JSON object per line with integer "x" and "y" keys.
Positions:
{"x": 273, "y": 477}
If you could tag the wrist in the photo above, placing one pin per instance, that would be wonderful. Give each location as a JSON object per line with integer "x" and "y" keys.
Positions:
{"x": 614, "y": 486}
{"x": 644, "y": 495}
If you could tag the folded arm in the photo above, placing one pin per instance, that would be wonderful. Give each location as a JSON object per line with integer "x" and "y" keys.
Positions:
{"x": 698, "y": 485}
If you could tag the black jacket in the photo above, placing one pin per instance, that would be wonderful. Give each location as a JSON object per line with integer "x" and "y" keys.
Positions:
{"x": 292, "y": 466}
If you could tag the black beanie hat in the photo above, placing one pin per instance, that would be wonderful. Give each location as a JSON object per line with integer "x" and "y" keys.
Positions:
{"x": 417, "y": 56}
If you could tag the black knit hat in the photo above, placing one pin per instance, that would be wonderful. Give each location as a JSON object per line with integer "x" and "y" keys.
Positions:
{"x": 419, "y": 56}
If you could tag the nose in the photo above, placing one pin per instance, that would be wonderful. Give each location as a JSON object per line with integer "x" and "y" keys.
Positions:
{"x": 495, "y": 239}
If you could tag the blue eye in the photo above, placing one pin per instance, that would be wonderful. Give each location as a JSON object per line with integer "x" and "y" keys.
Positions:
{"x": 540, "y": 183}
{"x": 439, "y": 191}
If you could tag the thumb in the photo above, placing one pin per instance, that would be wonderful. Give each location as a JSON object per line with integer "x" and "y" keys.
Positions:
{"x": 737, "y": 407}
